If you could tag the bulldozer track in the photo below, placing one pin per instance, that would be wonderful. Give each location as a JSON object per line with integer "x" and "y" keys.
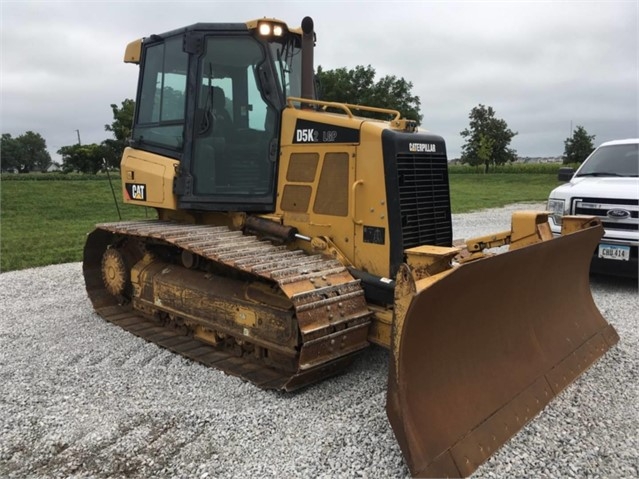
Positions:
{"x": 329, "y": 303}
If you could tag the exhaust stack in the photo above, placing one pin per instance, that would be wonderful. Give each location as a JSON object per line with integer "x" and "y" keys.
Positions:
{"x": 308, "y": 72}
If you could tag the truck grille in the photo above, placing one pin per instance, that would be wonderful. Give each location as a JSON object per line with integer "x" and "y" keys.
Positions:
{"x": 424, "y": 199}
{"x": 601, "y": 206}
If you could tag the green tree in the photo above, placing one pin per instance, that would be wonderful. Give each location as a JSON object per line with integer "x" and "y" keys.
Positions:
{"x": 358, "y": 87}
{"x": 11, "y": 153}
{"x": 112, "y": 152}
{"x": 82, "y": 158}
{"x": 36, "y": 151}
{"x": 121, "y": 129}
{"x": 485, "y": 150}
{"x": 25, "y": 153}
{"x": 487, "y": 139}
{"x": 578, "y": 146}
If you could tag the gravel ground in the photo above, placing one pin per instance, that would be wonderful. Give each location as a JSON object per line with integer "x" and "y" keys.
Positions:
{"x": 81, "y": 398}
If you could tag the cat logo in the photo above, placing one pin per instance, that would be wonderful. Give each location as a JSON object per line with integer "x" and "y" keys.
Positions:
{"x": 136, "y": 191}
{"x": 422, "y": 148}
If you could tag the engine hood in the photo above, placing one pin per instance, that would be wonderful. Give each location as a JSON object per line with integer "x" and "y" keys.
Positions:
{"x": 603, "y": 187}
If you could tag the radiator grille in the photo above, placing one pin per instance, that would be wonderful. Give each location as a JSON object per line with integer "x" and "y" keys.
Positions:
{"x": 601, "y": 206}
{"x": 424, "y": 200}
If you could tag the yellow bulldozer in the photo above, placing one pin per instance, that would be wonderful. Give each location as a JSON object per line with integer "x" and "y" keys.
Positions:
{"x": 291, "y": 233}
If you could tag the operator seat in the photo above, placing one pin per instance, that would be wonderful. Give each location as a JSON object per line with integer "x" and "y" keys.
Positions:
{"x": 219, "y": 106}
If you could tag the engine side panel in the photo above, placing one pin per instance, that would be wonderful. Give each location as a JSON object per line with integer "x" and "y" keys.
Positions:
{"x": 147, "y": 179}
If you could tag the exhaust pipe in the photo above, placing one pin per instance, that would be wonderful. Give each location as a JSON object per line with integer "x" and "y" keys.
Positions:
{"x": 308, "y": 72}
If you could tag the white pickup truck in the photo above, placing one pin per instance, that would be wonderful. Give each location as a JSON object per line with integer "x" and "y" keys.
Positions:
{"x": 605, "y": 185}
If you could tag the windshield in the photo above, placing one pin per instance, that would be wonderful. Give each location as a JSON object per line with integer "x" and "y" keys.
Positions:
{"x": 612, "y": 160}
{"x": 288, "y": 60}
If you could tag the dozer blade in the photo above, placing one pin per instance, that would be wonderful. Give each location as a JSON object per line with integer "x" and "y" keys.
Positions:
{"x": 482, "y": 350}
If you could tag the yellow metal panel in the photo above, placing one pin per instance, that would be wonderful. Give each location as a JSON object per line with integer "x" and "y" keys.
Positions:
{"x": 147, "y": 179}
{"x": 427, "y": 260}
{"x": 370, "y": 202}
{"x": 253, "y": 24}
{"x": 309, "y": 222}
{"x": 381, "y": 326}
{"x": 366, "y": 189}
{"x": 291, "y": 115}
{"x": 133, "y": 52}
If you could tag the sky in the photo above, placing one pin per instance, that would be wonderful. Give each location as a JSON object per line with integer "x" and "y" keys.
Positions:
{"x": 544, "y": 66}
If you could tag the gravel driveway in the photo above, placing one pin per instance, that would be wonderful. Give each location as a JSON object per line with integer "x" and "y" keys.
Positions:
{"x": 80, "y": 398}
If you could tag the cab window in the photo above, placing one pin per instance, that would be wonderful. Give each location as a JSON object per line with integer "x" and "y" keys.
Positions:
{"x": 161, "y": 109}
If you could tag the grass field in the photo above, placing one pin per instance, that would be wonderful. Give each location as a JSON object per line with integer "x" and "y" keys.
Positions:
{"x": 46, "y": 222}
{"x": 476, "y": 192}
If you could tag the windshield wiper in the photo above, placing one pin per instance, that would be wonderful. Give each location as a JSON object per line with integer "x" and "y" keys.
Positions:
{"x": 600, "y": 173}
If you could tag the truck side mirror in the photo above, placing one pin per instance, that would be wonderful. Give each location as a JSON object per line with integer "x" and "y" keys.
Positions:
{"x": 565, "y": 173}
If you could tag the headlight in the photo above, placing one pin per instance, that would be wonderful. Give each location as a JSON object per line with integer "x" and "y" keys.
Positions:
{"x": 556, "y": 208}
{"x": 265, "y": 29}
{"x": 269, "y": 28}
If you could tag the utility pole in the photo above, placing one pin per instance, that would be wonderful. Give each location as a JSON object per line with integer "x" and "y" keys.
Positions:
{"x": 78, "y": 132}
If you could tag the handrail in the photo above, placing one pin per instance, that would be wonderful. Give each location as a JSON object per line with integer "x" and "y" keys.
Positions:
{"x": 352, "y": 202}
{"x": 346, "y": 107}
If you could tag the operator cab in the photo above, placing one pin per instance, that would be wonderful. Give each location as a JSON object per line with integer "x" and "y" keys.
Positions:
{"x": 211, "y": 96}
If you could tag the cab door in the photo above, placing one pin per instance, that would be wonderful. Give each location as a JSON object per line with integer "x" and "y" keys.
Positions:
{"x": 236, "y": 123}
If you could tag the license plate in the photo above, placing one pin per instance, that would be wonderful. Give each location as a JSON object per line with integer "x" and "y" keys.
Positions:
{"x": 611, "y": 251}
